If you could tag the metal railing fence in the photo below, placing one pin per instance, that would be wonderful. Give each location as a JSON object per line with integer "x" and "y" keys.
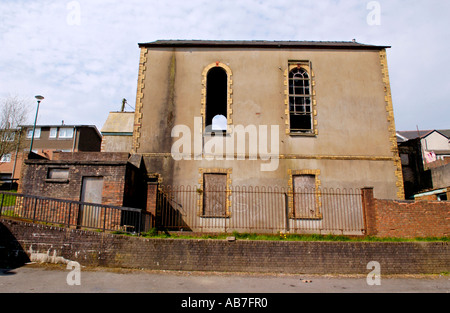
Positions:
{"x": 67, "y": 213}
{"x": 244, "y": 209}
{"x": 260, "y": 210}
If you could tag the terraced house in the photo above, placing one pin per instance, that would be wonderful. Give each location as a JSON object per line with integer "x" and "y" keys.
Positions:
{"x": 47, "y": 140}
{"x": 292, "y": 114}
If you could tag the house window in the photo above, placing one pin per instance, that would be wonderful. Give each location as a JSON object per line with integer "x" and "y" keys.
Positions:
{"x": 304, "y": 202}
{"x": 53, "y": 132}
{"x": 37, "y": 133}
{"x": 300, "y": 102}
{"x": 65, "y": 133}
{"x": 5, "y": 177}
{"x": 9, "y": 136}
{"x": 216, "y": 99}
{"x": 6, "y": 158}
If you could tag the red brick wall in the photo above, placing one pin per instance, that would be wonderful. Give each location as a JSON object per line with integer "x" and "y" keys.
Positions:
{"x": 35, "y": 182}
{"x": 152, "y": 191}
{"x": 102, "y": 249}
{"x": 91, "y": 156}
{"x": 406, "y": 219}
{"x": 413, "y": 219}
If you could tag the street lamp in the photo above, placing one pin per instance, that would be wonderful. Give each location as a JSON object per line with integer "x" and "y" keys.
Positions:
{"x": 39, "y": 99}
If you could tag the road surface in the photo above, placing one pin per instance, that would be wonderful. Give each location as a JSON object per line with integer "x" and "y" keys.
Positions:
{"x": 37, "y": 278}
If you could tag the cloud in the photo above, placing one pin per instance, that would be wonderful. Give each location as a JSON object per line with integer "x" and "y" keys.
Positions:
{"x": 85, "y": 70}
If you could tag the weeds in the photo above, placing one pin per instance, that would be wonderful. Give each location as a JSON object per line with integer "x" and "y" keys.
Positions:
{"x": 281, "y": 236}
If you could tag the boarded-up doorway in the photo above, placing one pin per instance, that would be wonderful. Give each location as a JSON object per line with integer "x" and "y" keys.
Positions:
{"x": 305, "y": 204}
{"x": 215, "y": 195}
{"x": 91, "y": 192}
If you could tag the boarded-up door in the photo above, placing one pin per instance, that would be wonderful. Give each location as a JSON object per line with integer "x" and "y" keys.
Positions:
{"x": 91, "y": 192}
{"x": 304, "y": 196}
{"x": 215, "y": 195}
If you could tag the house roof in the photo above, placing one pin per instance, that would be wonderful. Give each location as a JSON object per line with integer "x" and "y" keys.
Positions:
{"x": 59, "y": 125}
{"x": 261, "y": 44}
{"x": 413, "y": 134}
{"x": 63, "y": 126}
{"x": 445, "y": 132}
{"x": 119, "y": 123}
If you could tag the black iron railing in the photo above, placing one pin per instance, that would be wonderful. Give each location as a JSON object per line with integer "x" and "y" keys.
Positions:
{"x": 67, "y": 213}
{"x": 260, "y": 210}
{"x": 195, "y": 209}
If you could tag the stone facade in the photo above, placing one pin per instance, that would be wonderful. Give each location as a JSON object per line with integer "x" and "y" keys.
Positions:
{"x": 352, "y": 140}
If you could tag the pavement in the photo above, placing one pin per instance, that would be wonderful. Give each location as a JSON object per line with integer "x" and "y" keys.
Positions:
{"x": 49, "y": 278}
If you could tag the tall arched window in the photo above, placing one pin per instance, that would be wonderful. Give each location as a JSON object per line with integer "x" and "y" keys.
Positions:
{"x": 216, "y": 99}
{"x": 300, "y": 106}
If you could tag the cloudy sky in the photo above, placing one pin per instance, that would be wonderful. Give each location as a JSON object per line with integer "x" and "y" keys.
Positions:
{"x": 82, "y": 56}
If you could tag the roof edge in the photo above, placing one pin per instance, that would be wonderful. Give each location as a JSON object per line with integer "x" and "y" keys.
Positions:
{"x": 260, "y": 44}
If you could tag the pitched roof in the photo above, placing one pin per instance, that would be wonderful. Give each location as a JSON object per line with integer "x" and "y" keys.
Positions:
{"x": 439, "y": 131}
{"x": 261, "y": 44}
{"x": 412, "y": 134}
{"x": 445, "y": 132}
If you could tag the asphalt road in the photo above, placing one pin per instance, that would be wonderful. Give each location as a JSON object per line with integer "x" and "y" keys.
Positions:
{"x": 58, "y": 279}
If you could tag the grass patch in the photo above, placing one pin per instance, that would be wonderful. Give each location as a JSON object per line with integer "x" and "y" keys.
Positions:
{"x": 154, "y": 233}
{"x": 7, "y": 199}
{"x": 9, "y": 213}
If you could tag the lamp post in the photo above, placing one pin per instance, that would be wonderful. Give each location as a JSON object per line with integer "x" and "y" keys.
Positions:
{"x": 39, "y": 99}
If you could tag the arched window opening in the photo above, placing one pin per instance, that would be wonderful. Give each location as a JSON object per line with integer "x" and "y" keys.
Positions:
{"x": 300, "y": 106}
{"x": 216, "y": 99}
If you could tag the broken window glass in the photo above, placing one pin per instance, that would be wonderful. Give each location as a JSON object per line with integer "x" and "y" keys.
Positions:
{"x": 300, "y": 107}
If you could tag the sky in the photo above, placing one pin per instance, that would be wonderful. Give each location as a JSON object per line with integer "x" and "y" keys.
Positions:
{"x": 83, "y": 56}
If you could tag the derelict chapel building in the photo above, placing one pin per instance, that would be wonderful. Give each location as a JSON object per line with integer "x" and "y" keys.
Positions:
{"x": 266, "y": 113}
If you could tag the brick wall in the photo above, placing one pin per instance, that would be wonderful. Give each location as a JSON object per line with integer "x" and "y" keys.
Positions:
{"x": 407, "y": 219}
{"x": 152, "y": 193}
{"x": 91, "y": 156}
{"x": 98, "y": 249}
{"x": 112, "y": 167}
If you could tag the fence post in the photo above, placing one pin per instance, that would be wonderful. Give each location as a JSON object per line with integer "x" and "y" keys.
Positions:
{"x": 68, "y": 219}
{"x": 369, "y": 213}
{"x": 140, "y": 222}
{"x": 104, "y": 220}
{"x": 35, "y": 207}
{"x": 286, "y": 212}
